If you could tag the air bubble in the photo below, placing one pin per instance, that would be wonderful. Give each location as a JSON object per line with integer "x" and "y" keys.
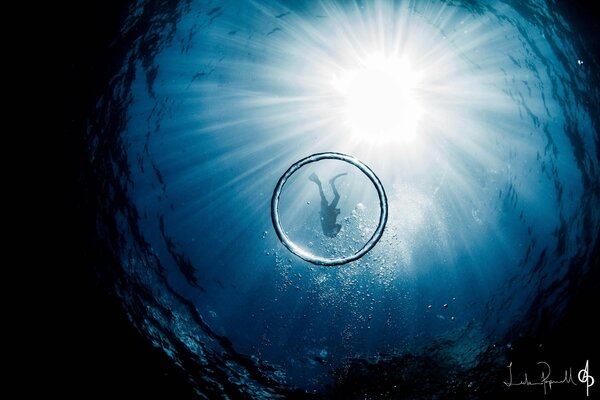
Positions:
{"x": 306, "y": 255}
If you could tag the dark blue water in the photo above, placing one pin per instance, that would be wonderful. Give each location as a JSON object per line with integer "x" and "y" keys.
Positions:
{"x": 493, "y": 194}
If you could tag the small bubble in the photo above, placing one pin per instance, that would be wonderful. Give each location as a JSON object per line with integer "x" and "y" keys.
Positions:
{"x": 429, "y": 306}
{"x": 264, "y": 235}
{"x": 308, "y": 202}
{"x": 446, "y": 305}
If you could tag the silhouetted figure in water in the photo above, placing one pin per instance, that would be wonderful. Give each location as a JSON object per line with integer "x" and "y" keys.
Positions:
{"x": 329, "y": 212}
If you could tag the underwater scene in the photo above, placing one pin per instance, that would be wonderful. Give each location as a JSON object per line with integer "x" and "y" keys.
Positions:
{"x": 351, "y": 199}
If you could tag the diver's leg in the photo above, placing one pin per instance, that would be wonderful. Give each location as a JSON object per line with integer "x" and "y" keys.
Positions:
{"x": 336, "y": 195}
{"x": 322, "y": 194}
{"x": 314, "y": 178}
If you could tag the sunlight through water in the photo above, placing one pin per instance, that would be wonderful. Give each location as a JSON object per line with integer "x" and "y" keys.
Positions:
{"x": 380, "y": 103}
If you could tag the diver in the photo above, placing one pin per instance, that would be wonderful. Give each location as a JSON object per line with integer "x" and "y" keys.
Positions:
{"x": 329, "y": 212}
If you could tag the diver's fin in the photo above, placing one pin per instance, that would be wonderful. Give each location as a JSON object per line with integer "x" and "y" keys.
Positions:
{"x": 314, "y": 178}
{"x": 337, "y": 176}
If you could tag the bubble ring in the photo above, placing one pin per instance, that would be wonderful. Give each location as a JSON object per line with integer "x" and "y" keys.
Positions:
{"x": 306, "y": 255}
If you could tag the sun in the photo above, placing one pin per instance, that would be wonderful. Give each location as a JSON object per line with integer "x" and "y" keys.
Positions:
{"x": 379, "y": 99}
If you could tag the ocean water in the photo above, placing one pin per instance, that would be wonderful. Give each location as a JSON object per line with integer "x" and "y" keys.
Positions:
{"x": 490, "y": 174}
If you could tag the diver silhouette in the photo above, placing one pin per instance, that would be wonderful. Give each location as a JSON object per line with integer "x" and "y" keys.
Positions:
{"x": 329, "y": 212}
